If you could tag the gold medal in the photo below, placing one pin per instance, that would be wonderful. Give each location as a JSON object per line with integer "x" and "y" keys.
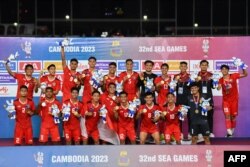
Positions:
{"x": 196, "y": 111}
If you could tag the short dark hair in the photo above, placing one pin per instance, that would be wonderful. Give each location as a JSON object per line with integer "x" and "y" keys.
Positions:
{"x": 129, "y": 60}
{"x": 74, "y": 59}
{"x": 169, "y": 93}
{"x": 124, "y": 93}
{"x": 183, "y": 62}
{"x": 74, "y": 88}
{"x": 23, "y": 87}
{"x": 49, "y": 88}
{"x": 148, "y": 94}
{"x": 224, "y": 66}
{"x": 91, "y": 57}
{"x": 28, "y": 65}
{"x": 51, "y": 65}
{"x": 204, "y": 61}
{"x": 165, "y": 64}
{"x": 96, "y": 91}
{"x": 149, "y": 61}
{"x": 194, "y": 84}
{"x": 111, "y": 83}
{"x": 113, "y": 64}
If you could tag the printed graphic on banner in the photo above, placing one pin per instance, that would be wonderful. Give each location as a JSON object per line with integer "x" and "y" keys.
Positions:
{"x": 116, "y": 49}
{"x": 7, "y": 79}
{"x": 37, "y": 65}
{"x": 157, "y": 65}
{"x": 12, "y": 65}
{"x": 121, "y": 65}
{"x": 218, "y": 63}
{"x": 174, "y": 65}
{"x": 57, "y": 63}
{"x": 195, "y": 65}
{"x": 103, "y": 64}
{"x": 8, "y": 91}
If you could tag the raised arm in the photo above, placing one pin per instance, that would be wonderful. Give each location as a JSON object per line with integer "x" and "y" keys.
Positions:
{"x": 244, "y": 73}
{"x": 9, "y": 70}
{"x": 64, "y": 64}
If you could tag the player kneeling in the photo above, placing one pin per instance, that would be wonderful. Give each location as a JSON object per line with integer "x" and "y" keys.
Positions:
{"x": 149, "y": 114}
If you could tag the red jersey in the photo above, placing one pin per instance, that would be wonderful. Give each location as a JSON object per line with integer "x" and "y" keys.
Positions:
{"x": 130, "y": 85}
{"x": 164, "y": 89}
{"x": 23, "y": 80}
{"x": 110, "y": 104}
{"x": 73, "y": 122}
{"x": 172, "y": 115}
{"x": 230, "y": 87}
{"x": 205, "y": 76}
{"x": 183, "y": 77}
{"x": 54, "y": 83}
{"x": 47, "y": 118}
{"x": 124, "y": 121}
{"x": 110, "y": 80}
{"x": 22, "y": 118}
{"x": 91, "y": 121}
{"x": 68, "y": 82}
{"x": 147, "y": 115}
{"x": 87, "y": 87}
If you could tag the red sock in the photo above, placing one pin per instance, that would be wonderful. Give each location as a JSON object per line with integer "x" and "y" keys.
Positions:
{"x": 233, "y": 123}
{"x": 228, "y": 124}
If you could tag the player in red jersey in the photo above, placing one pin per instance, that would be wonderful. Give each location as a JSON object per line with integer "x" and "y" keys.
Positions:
{"x": 70, "y": 76}
{"x": 91, "y": 113}
{"x": 24, "y": 110}
{"x": 130, "y": 80}
{"x": 162, "y": 83}
{"x": 229, "y": 86}
{"x": 71, "y": 127}
{"x": 170, "y": 115}
{"x": 110, "y": 77}
{"x": 149, "y": 118}
{"x": 125, "y": 123}
{"x": 48, "y": 126}
{"x": 25, "y": 79}
{"x": 49, "y": 80}
{"x": 85, "y": 78}
{"x": 110, "y": 100}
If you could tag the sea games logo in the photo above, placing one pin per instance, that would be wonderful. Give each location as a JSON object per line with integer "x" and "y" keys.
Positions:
{"x": 116, "y": 50}
{"x": 4, "y": 90}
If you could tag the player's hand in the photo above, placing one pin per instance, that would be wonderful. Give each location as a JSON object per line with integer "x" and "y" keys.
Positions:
{"x": 35, "y": 81}
{"x": 116, "y": 108}
{"x": 209, "y": 108}
{"x": 89, "y": 113}
{"x": 28, "y": 111}
{"x": 75, "y": 113}
{"x": 141, "y": 75}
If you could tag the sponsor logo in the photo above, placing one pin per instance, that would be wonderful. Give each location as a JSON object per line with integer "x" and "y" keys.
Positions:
{"x": 12, "y": 65}
{"x": 7, "y": 79}
{"x": 58, "y": 65}
{"x": 195, "y": 65}
{"x": 174, "y": 65}
{"x": 104, "y": 65}
{"x": 37, "y": 65}
{"x": 218, "y": 63}
{"x": 122, "y": 65}
{"x": 157, "y": 65}
{"x": 4, "y": 90}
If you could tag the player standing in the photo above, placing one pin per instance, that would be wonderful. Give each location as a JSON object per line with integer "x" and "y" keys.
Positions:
{"x": 229, "y": 86}
{"x": 110, "y": 77}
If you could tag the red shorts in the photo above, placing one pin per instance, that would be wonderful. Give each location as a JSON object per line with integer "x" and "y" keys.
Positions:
{"x": 230, "y": 108}
{"x": 72, "y": 133}
{"x": 53, "y": 132}
{"x": 150, "y": 130}
{"x": 21, "y": 133}
{"x": 127, "y": 132}
{"x": 92, "y": 133}
{"x": 172, "y": 130}
{"x": 161, "y": 126}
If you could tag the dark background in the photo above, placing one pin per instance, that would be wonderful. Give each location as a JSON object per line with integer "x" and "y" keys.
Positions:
{"x": 124, "y": 17}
